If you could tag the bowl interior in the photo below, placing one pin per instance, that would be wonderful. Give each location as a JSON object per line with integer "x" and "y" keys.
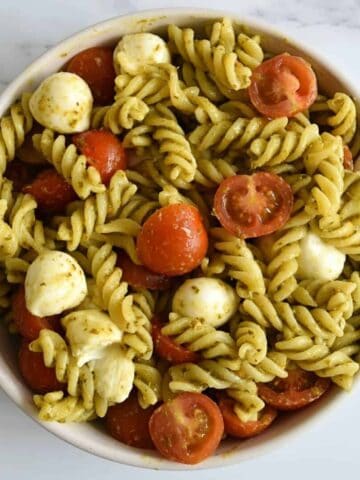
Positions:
{"x": 92, "y": 437}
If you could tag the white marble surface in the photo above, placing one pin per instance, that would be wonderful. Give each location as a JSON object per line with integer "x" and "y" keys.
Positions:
{"x": 27, "y": 29}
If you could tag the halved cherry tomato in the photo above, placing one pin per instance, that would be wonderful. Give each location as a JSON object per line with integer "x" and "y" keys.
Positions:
{"x": 129, "y": 423}
{"x": 348, "y": 159}
{"x": 188, "y": 428}
{"x": 51, "y": 191}
{"x": 95, "y": 66}
{"x": 139, "y": 276}
{"x": 237, "y": 428}
{"x": 283, "y": 86}
{"x": 173, "y": 240}
{"x": 253, "y": 205}
{"x": 103, "y": 150}
{"x": 19, "y": 173}
{"x": 38, "y": 377}
{"x": 27, "y": 324}
{"x": 296, "y": 391}
{"x": 167, "y": 349}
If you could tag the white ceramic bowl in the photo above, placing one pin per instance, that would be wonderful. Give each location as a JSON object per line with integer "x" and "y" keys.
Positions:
{"x": 92, "y": 437}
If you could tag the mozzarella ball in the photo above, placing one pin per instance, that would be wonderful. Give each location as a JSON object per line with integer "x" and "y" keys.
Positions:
{"x": 319, "y": 260}
{"x": 139, "y": 49}
{"x": 114, "y": 375}
{"x": 89, "y": 333}
{"x": 54, "y": 282}
{"x": 210, "y": 299}
{"x": 63, "y": 103}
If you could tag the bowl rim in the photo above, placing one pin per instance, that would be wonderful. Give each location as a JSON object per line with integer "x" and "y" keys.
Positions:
{"x": 15, "y": 87}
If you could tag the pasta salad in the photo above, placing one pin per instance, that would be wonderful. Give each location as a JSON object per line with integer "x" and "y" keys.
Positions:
{"x": 179, "y": 238}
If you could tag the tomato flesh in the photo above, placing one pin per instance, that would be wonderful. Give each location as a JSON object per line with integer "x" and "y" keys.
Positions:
{"x": 348, "y": 159}
{"x": 51, "y": 192}
{"x": 95, "y": 66}
{"x": 37, "y": 376}
{"x": 167, "y": 349}
{"x": 299, "y": 389}
{"x": 283, "y": 86}
{"x": 129, "y": 423}
{"x": 188, "y": 428}
{"x": 239, "y": 429}
{"x": 173, "y": 240}
{"x": 253, "y": 205}
{"x": 103, "y": 151}
{"x": 27, "y": 324}
{"x": 139, "y": 276}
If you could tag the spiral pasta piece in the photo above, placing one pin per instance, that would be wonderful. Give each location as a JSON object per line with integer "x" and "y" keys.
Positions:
{"x": 224, "y": 66}
{"x": 247, "y": 404}
{"x": 274, "y": 365}
{"x": 13, "y": 128}
{"x": 199, "y": 336}
{"x": 283, "y": 147}
{"x": 317, "y": 358}
{"x": 123, "y": 114}
{"x": 250, "y": 341}
{"x": 283, "y": 265}
{"x": 234, "y": 135}
{"x": 239, "y": 262}
{"x": 72, "y": 166}
{"x": 95, "y": 210}
{"x": 211, "y": 172}
{"x": 8, "y": 240}
{"x": 249, "y": 51}
{"x": 148, "y": 382}
{"x": 80, "y": 380}
{"x": 179, "y": 159}
{"x": 191, "y": 377}
{"x": 334, "y": 296}
{"x": 139, "y": 310}
{"x": 345, "y": 237}
{"x": 324, "y": 161}
{"x": 112, "y": 290}
{"x": 194, "y": 77}
{"x": 55, "y": 407}
{"x": 145, "y": 87}
{"x": 29, "y": 232}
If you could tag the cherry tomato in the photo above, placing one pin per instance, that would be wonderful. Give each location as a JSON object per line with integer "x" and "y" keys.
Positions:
{"x": 167, "y": 349}
{"x": 188, "y": 428}
{"x": 283, "y": 86}
{"x": 173, "y": 240}
{"x": 139, "y": 276}
{"x": 348, "y": 159}
{"x": 19, "y": 173}
{"x": 95, "y": 66}
{"x": 103, "y": 150}
{"x": 296, "y": 391}
{"x": 129, "y": 423}
{"x": 253, "y": 205}
{"x": 38, "y": 377}
{"x": 237, "y": 428}
{"x": 51, "y": 191}
{"x": 27, "y": 324}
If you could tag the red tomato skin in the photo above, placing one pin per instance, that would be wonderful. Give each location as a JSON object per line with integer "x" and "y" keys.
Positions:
{"x": 173, "y": 240}
{"x": 297, "y": 391}
{"x": 38, "y": 378}
{"x": 167, "y": 349}
{"x": 27, "y": 324}
{"x": 129, "y": 423}
{"x": 289, "y": 69}
{"x": 254, "y": 203}
{"x": 95, "y": 66}
{"x": 103, "y": 151}
{"x": 139, "y": 276}
{"x": 348, "y": 159}
{"x": 51, "y": 192}
{"x": 19, "y": 173}
{"x": 236, "y": 428}
{"x": 178, "y": 442}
